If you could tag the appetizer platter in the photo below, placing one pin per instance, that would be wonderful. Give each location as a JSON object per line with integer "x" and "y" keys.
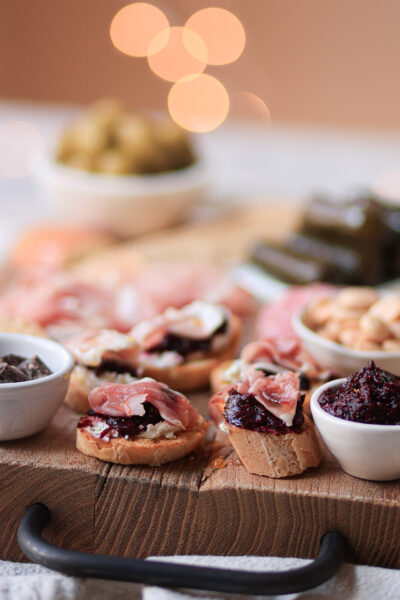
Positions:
{"x": 143, "y": 459}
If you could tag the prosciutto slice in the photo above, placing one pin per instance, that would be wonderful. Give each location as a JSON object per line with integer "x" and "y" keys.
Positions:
{"x": 92, "y": 346}
{"x": 198, "y": 320}
{"x": 285, "y": 352}
{"x": 117, "y": 296}
{"x": 60, "y": 299}
{"x": 279, "y": 394}
{"x": 126, "y": 400}
{"x": 275, "y": 319}
{"x": 177, "y": 283}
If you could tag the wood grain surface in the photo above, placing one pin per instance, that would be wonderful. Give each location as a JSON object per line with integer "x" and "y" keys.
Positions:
{"x": 206, "y": 503}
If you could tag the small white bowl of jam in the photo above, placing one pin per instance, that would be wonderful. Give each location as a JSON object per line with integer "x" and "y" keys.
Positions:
{"x": 358, "y": 419}
{"x": 34, "y": 378}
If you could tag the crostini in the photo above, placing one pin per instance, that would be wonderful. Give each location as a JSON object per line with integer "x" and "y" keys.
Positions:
{"x": 144, "y": 423}
{"x": 181, "y": 346}
{"x": 104, "y": 356}
{"x": 263, "y": 418}
{"x": 273, "y": 356}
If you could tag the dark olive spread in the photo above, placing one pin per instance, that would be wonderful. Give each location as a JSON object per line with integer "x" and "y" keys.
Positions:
{"x": 184, "y": 345}
{"x": 14, "y": 368}
{"x": 127, "y": 427}
{"x": 369, "y": 396}
{"x": 243, "y": 410}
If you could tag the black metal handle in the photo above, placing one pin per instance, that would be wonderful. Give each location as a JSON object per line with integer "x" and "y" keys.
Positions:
{"x": 84, "y": 564}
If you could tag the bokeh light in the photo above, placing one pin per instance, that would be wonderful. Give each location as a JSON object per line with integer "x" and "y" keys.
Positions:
{"x": 248, "y": 105}
{"x": 135, "y": 26}
{"x": 21, "y": 149}
{"x": 387, "y": 185}
{"x": 199, "y": 103}
{"x": 222, "y": 32}
{"x": 182, "y": 53}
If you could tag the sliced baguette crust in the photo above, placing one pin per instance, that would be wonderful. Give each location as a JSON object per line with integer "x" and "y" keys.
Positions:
{"x": 195, "y": 375}
{"x": 77, "y": 396}
{"x": 141, "y": 451}
{"x": 217, "y": 375}
{"x": 276, "y": 455}
{"x": 80, "y": 386}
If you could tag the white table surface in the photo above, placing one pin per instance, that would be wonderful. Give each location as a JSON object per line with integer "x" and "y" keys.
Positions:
{"x": 247, "y": 161}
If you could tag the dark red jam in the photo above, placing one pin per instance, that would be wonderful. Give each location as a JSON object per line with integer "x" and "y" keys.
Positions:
{"x": 123, "y": 426}
{"x": 14, "y": 368}
{"x": 369, "y": 396}
{"x": 243, "y": 410}
{"x": 115, "y": 366}
{"x": 184, "y": 345}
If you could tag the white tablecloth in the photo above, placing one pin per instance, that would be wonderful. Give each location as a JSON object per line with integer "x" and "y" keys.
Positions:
{"x": 20, "y": 581}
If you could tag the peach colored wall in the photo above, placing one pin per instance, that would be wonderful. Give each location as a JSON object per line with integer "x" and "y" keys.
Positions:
{"x": 330, "y": 61}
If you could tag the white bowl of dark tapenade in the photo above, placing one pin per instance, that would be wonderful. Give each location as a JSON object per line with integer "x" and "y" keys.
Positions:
{"x": 34, "y": 378}
{"x": 359, "y": 421}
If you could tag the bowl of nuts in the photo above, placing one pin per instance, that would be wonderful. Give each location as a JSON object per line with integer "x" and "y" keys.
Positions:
{"x": 345, "y": 330}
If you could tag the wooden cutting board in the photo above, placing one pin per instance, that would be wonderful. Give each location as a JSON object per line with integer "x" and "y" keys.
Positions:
{"x": 206, "y": 503}
{"x": 222, "y": 240}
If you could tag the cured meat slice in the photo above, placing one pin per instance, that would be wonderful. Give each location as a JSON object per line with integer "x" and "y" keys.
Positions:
{"x": 60, "y": 299}
{"x": 93, "y": 346}
{"x": 65, "y": 298}
{"x": 282, "y": 351}
{"x": 198, "y": 320}
{"x": 126, "y": 400}
{"x": 279, "y": 394}
{"x": 180, "y": 282}
{"x": 275, "y": 320}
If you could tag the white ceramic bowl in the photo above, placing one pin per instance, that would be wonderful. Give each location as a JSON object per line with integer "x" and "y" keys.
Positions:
{"x": 340, "y": 359}
{"x": 28, "y": 406}
{"x": 127, "y": 205}
{"x": 362, "y": 450}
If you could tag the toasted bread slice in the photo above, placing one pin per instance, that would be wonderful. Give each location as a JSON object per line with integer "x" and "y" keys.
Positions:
{"x": 77, "y": 398}
{"x": 140, "y": 451}
{"x": 83, "y": 380}
{"x": 218, "y": 381}
{"x": 276, "y": 455}
{"x": 217, "y": 375}
{"x": 195, "y": 374}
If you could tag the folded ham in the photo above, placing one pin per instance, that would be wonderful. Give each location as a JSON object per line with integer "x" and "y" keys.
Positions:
{"x": 286, "y": 352}
{"x": 60, "y": 299}
{"x": 68, "y": 300}
{"x": 91, "y": 347}
{"x": 197, "y": 320}
{"x": 275, "y": 319}
{"x": 126, "y": 400}
{"x": 279, "y": 394}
